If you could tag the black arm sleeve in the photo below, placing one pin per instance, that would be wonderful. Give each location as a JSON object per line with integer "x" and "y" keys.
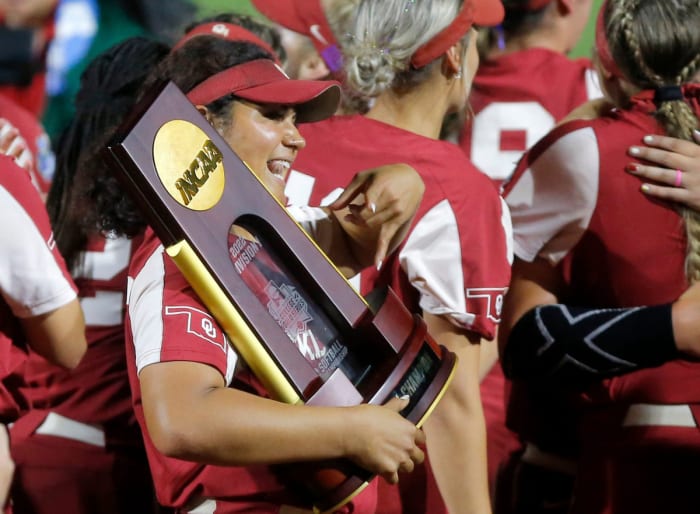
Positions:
{"x": 577, "y": 344}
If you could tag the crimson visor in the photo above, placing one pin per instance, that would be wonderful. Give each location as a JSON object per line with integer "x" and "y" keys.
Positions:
{"x": 228, "y": 31}
{"x": 262, "y": 81}
{"x": 486, "y": 13}
{"x": 305, "y": 17}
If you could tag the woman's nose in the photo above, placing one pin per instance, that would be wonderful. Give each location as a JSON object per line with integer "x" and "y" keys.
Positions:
{"x": 295, "y": 139}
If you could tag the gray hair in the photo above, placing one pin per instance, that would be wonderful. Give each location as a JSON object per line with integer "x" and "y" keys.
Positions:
{"x": 386, "y": 34}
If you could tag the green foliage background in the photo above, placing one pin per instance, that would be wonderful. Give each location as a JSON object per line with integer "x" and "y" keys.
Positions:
{"x": 207, "y": 7}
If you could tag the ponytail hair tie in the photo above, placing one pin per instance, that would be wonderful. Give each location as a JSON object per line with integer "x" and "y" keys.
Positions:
{"x": 667, "y": 94}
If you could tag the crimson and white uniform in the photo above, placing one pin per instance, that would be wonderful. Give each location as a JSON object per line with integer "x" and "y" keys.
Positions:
{"x": 80, "y": 444}
{"x": 33, "y": 276}
{"x": 166, "y": 322}
{"x": 517, "y": 98}
{"x": 455, "y": 260}
{"x": 514, "y": 105}
{"x": 573, "y": 203}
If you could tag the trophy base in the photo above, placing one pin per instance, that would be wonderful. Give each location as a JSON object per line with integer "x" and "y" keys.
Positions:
{"x": 331, "y": 485}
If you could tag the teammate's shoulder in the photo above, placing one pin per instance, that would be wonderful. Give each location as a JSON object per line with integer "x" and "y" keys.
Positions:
{"x": 14, "y": 178}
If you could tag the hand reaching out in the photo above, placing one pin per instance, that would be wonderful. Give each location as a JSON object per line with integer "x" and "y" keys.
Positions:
{"x": 14, "y": 145}
{"x": 675, "y": 169}
{"x": 390, "y": 196}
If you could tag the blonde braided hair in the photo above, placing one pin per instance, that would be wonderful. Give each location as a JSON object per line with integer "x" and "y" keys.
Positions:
{"x": 656, "y": 43}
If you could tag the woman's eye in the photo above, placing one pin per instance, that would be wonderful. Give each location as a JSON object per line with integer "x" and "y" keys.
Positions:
{"x": 276, "y": 114}
{"x": 280, "y": 114}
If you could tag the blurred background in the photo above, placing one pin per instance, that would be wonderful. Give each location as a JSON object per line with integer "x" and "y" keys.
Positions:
{"x": 46, "y": 44}
{"x": 583, "y": 49}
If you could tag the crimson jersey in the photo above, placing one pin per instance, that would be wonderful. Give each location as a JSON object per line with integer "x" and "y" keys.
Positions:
{"x": 455, "y": 260}
{"x": 33, "y": 276}
{"x": 165, "y": 322}
{"x": 566, "y": 199}
{"x": 97, "y": 390}
{"x": 516, "y": 99}
{"x": 573, "y": 203}
{"x": 39, "y": 159}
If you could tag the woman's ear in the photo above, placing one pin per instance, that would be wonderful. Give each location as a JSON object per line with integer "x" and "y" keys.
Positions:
{"x": 313, "y": 67}
{"x": 204, "y": 112}
{"x": 452, "y": 63}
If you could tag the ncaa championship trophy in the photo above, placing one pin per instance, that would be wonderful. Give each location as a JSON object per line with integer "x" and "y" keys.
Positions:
{"x": 298, "y": 324}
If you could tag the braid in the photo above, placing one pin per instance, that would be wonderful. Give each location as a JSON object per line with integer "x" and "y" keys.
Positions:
{"x": 627, "y": 26}
{"x": 656, "y": 44}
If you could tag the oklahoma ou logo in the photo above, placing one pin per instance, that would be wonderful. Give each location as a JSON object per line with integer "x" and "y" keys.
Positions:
{"x": 220, "y": 29}
{"x": 488, "y": 300}
{"x": 198, "y": 323}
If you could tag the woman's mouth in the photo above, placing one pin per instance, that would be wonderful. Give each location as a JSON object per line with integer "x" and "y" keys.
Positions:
{"x": 279, "y": 168}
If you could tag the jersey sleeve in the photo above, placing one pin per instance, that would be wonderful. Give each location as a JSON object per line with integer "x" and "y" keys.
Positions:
{"x": 459, "y": 262}
{"x": 33, "y": 276}
{"x": 553, "y": 193}
{"x": 315, "y": 222}
{"x": 169, "y": 323}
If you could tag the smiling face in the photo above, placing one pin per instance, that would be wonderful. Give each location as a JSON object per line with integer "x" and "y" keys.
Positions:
{"x": 266, "y": 138}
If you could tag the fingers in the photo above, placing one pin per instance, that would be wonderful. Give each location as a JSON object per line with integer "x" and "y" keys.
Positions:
{"x": 397, "y": 404}
{"x": 406, "y": 466}
{"x": 358, "y": 185}
{"x": 417, "y": 455}
{"x": 386, "y": 234}
{"x": 8, "y": 135}
{"x": 420, "y": 437}
{"x": 668, "y": 152}
{"x": 665, "y": 176}
{"x": 673, "y": 144}
{"x": 671, "y": 194}
{"x": 392, "y": 478}
{"x": 674, "y": 166}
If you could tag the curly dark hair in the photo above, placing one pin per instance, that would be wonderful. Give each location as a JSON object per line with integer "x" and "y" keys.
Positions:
{"x": 86, "y": 199}
{"x": 108, "y": 89}
{"x": 104, "y": 206}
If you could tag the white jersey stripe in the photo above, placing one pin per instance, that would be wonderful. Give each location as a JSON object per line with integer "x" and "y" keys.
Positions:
{"x": 31, "y": 281}
{"x": 550, "y": 223}
{"x": 145, "y": 301}
{"x": 434, "y": 265}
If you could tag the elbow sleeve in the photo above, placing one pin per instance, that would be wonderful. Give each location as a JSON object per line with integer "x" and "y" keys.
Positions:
{"x": 578, "y": 344}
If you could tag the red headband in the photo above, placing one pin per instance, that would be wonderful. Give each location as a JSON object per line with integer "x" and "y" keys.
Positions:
{"x": 309, "y": 18}
{"x": 487, "y": 13}
{"x": 228, "y": 31}
{"x": 602, "y": 46}
{"x": 445, "y": 38}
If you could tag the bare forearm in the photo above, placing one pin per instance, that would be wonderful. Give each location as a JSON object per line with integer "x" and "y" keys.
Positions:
{"x": 457, "y": 447}
{"x": 455, "y": 432}
{"x": 253, "y": 437}
{"x": 58, "y": 336}
{"x": 191, "y": 415}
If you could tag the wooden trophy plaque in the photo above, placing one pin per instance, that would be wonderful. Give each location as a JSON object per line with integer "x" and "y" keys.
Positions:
{"x": 299, "y": 325}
